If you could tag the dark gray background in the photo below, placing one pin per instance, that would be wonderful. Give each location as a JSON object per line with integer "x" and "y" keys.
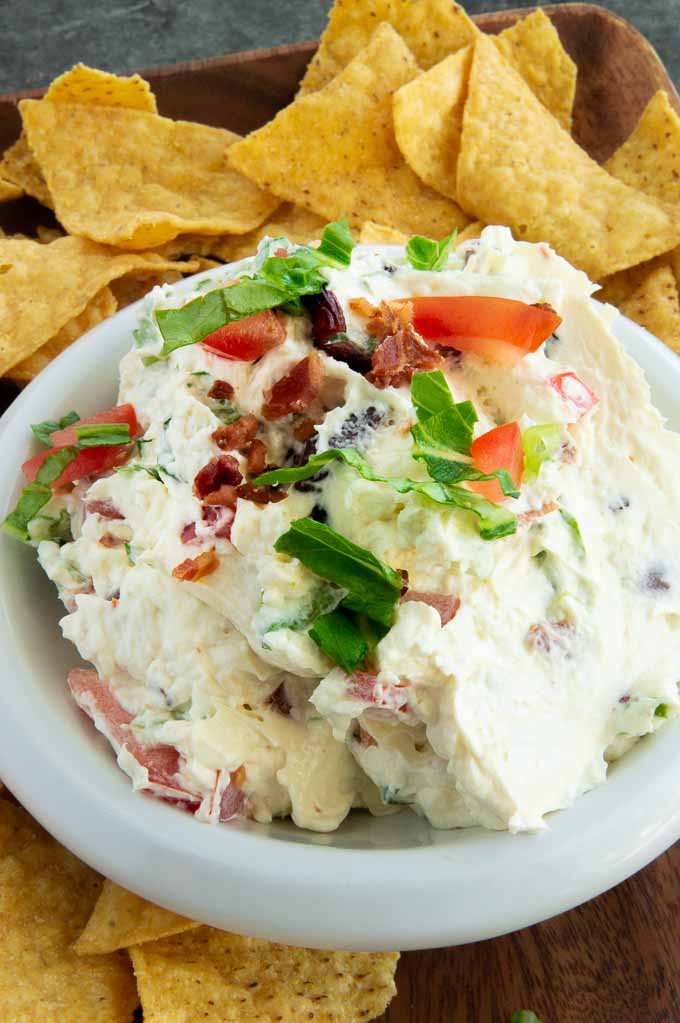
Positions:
{"x": 40, "y": 38}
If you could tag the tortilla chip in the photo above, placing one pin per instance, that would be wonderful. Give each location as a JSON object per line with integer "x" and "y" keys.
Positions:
{"x": 470, "y": 232}
{"x": 84, "y": 84}
{"x": 533, "y": 47}
{"x": 213, "y": 976}
{"x": 132, "y": 287}
{"x": 19, "y": 167}
{"x": 46, "y": 235}
{"x": 100, "y": 308}
{"x": 9, "y": 191}
{"x": 518, "y": 167}
{"x": 655, "y": 305}
{"x": 334, "y": 151}
{"x": 649, "y": 159}
{"x": 120, "y": 919}
{"x": 428, "y": 120}
{"x": 431, "y": 29}
{"x": 136, "y": 180}
{"x": 46, "y": 896}
{"x": 46, "y": 286}
{"x": 378, "y": 234}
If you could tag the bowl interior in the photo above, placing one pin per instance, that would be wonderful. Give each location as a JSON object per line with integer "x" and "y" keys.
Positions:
{"x": 277, "y": 881}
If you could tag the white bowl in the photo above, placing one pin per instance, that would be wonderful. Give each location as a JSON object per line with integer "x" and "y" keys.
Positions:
{"x": 375, "y": 883}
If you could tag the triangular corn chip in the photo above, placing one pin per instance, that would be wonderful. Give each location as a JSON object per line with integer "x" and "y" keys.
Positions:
{"x": 46, "y": 286}
{"x": 377, "y": 234}
{"x": 19, "y": 167}
{"x": 649, "y": 159}
{"x": 334, "y": 151}
{"x": 46, "y": 895}
{"x": 84, "y": 84}
{"x": 533, "y": 47}
{"x": 136, "y": 180}
{"x": 120, "y": 919}
{"x": 655, "y": 305}
{"x": 213, "y": 976}
{"x": 518, "y": 167}
{"x": 9, "y": 191}
{"x": 431, "y": 29}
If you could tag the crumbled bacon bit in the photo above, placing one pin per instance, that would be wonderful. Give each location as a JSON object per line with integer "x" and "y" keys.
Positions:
{"x": 219, "y": 471}
{"x": 237, "y": 434}
{"x": 226, "y": 496}
{"x": 444, "y": 603}
{"x": 536, "y": 513}
{"x": 109, "y": 540}
{"x": 544, "y": 636}
{"x": 261, "y": 495}
{"x": 362, "y": 307}
{"x": 188, "y": 534}
{"x": 625, "y": 698}
{"x": 193, "y": 569}
{"x": 297, "y": 390}
{"x": 304, "y": 429}
{"x": 221, "y": 390}
{"x": 220, "y": 516}
{"x": 401, "y": 351}
{"x": 279, "y": 700}
{"x": 256, "y": 457}
{"x": 404, "y": 575}
{"x": 106, "y": 509}
{"x": 567, "y": 453}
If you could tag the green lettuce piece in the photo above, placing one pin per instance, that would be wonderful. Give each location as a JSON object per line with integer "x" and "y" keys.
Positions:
{"x": 427, "y": 254}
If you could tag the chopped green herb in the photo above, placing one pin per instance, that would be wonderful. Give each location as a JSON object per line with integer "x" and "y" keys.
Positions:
{"x": 166, "y": 422}
{"x": 280, "y": 281}
{"x": 661, "y": 710}
{"x": 373, "y": 588}
{"x": 128, "y": 551}
{"x": 575, "y": 531}
{"x": 340, "y": 638}
{"x": 226, "y": 411}
{"x": 431, "y": 394}
{"x": 95, "y": 435}
{"x": 201, "y": 373}
{"x": 428, "y": 254}
{"x": 154, "y": 471}
{"x": 540, "y": 443}
{"x": 43, "y": 431}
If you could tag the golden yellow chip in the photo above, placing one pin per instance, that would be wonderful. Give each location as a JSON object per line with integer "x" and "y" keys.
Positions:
{"x": 518, "y": 167}
{"x": 222, "y": 978}
{"x": 84, "y": 84}
{"x": 19, "y": 167}
{"x": 132, "y": 287}
{"x": 46, "y": 286}
{"x": 378, "y": 234}
{"x": 650, "y": 158}
{"x": 533, "y": 47}
{"x": 135, "y": 180}
{"x": 431, "y": 29}
{"x": 46, "y": 895}
{"x": 428, "y": 119}
{"x": 655, "y": 305}
{"x": 470, "y": 232}
{"x": 9, "y": 191}
{"x": 334, "y": 151}
{"x": 46, "y": 235}
{"x": 100, "y": 308}
{"x": 120, "y": 919}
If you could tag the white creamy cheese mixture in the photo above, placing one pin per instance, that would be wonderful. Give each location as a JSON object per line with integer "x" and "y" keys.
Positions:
{"x": 563, "y": 647}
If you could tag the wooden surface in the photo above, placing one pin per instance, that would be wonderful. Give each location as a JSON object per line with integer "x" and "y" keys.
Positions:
{"x": 617, "y": 958}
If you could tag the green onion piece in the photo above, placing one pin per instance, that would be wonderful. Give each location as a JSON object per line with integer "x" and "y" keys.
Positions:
{"x": 661, "y": 710}
{"x": 540, "y": 443}
{"x": 573, "y": 525}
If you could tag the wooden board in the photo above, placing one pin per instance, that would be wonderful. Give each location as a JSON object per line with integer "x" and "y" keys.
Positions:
{"x": 616, "y": 959}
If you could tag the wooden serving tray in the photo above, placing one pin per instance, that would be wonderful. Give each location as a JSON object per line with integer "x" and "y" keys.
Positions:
{"x": 616, "y": 959}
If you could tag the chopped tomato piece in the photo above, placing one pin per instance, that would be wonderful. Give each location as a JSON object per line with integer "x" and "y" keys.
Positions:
{"x": 124, "y": 414}
{"x": 500, "y": 448}
{"x": 501, "y": 330}
{"x": 246, "y": 340}
{"x": 88, "y": 462}
{"x": 571, "y": 388}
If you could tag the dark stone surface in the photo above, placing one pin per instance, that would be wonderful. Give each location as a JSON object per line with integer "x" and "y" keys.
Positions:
{"x": 40, "y": 38}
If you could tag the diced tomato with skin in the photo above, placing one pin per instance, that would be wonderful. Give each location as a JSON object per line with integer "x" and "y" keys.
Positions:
{"x": 368, "y": 689}
{"x": 88, "y": 462}
{"x": 246, "y": 340}
{"x": 123, "y": 414}
{"x": 162, "y": 762}
{"x": 500, "y": 448}
{"x": 501, "y": 330}
{"x": 572, "y": 389}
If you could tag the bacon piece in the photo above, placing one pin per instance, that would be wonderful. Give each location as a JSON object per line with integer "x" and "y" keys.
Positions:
{"x": 162, "y": 762}
{"x": 279, "y": 700}
{"x": 219, "y": 471}
{"x": 109, "y": 540}
{"x": 545, "y": 636}
{"x": 367, "y": 688}
{"x": 188, "y": 534}
{"x": 221, "y": 390}
{"x": 401, "y": 351}
{"x": 297, "y": 390}
{"x": 304, "y": 429}
{"x": 225, "y": 496}
{"x": 256, "y": 457}
{"x": 237, "y": 434}
{"x": 261, "y": 495}
{"x": 221, "y": 517}
{"x": 536, "y": 513}
{"x": 446, "y": 604}
{"x": 106, "y": 509}
{"x": 193, "y": 569}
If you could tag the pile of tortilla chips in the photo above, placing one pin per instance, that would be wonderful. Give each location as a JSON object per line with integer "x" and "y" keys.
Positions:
{"x": 80, "y": 949}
